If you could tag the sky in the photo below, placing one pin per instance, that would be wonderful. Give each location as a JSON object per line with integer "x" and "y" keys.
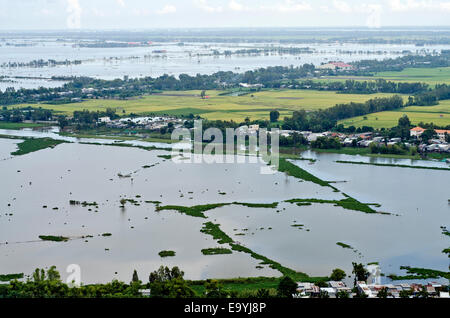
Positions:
{"x": 151, "y": 14}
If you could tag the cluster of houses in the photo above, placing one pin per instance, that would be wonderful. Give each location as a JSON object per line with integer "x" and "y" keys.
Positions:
{"x": 334, "y": 66}
{"x": 151, "y": 123}
{"x": 334, "y": 289}
{"x": 438, "y": 144}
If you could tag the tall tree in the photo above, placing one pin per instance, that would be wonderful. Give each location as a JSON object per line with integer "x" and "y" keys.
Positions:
{"x": 287, "y": 287}
{"x": 135, "y": 278}
{"x": 274, "y": 116}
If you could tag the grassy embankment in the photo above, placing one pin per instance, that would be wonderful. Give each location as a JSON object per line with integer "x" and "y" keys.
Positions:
{"x": 16, "y": 126}
{"x": 390, "y": 165}
{"x": 366, "y": 152}
{"x": 222, "y": 238}
{"x": 297, "y": 172}
{"x": 348, "y": 203}
{"x": 120, "y": 135}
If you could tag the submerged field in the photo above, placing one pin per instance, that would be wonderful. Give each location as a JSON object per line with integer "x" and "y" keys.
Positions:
{"x": 255, "y": 105}
{"x": 439, "y": 115}
{"x": 232, "y": 222}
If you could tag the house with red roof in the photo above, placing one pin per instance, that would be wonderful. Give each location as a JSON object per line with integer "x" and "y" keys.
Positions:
{"x": 416, "y": 131}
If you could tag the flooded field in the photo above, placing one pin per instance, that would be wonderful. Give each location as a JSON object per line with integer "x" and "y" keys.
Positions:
{"x": 173, "y": 59}
{"x": 121, "y": 186}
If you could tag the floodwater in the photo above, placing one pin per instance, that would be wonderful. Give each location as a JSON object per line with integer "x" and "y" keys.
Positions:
{"x": 191, "y": 58}
{"x": 52, "y": 177}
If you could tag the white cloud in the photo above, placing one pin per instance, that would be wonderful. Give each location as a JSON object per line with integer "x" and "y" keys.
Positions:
{"x": 417, "y": 5}
{"x": 167, "y": 9}
{"x": 98, "y": 13}
{"x": 289, "y": 6}
{"x": 203, "y": 5}
{"x": 342, "y": 6}
{"x": 373, "y": 11}
{"x": 121, "y": 3}
{"x": 325, "y": 8}
{"x": 445, "y": 6}
{"x": 236, "y": 6}
{"x": 46, "y": 12}
{"x": 374, "y": 17}
{"x": 74, "y": 19}
{"x": 409, "y": 5}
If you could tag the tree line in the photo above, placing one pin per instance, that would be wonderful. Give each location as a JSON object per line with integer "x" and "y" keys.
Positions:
{"x": 326, "y": 119}
{"x": 362, "y": 87}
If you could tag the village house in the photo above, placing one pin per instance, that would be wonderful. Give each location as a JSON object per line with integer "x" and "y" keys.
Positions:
{"x": 418, "y": 131}
{"x": 370, "y": 289}
{"x": 104, "y": 120}
{"x": 335, "y": 66}
{"x": 441, "y": 134}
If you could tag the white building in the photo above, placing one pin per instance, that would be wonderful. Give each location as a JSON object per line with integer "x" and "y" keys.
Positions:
{"x": 104, "y": 120}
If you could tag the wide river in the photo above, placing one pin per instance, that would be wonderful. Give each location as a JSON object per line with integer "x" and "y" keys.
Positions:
{"x": 36, "y": 189}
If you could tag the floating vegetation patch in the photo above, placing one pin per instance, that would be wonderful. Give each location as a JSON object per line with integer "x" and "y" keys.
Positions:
{"x": 166, "y": 253}
{"x": 53, "y": 238}
{"x": 153, "y": 202}
{"x": 106, "y": 234}
{"x": 198, "y": 210}
{"x": 258, "y": 205}
{"x": 348, "y": 203}
{"x": 123, "y": 201}
{"x": 446, "y": 251}
{"x": 419, "y": 273}
{"x": 10, "y": 277}
{"x": 307, "y": 159}
{"x": 304, "y": 203}
{"x": 343, "y": 245}
{"x": 150, "y": 166}
{"x": 445, "y": 231}
{"x": 84, "y": 203}
{"x": 216, "y": 251}
{"x": 35, "y": 144}
{"x": 167, "y": 157}
{"x": 346, "y": 246}
{"x": 391, "y": 165}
